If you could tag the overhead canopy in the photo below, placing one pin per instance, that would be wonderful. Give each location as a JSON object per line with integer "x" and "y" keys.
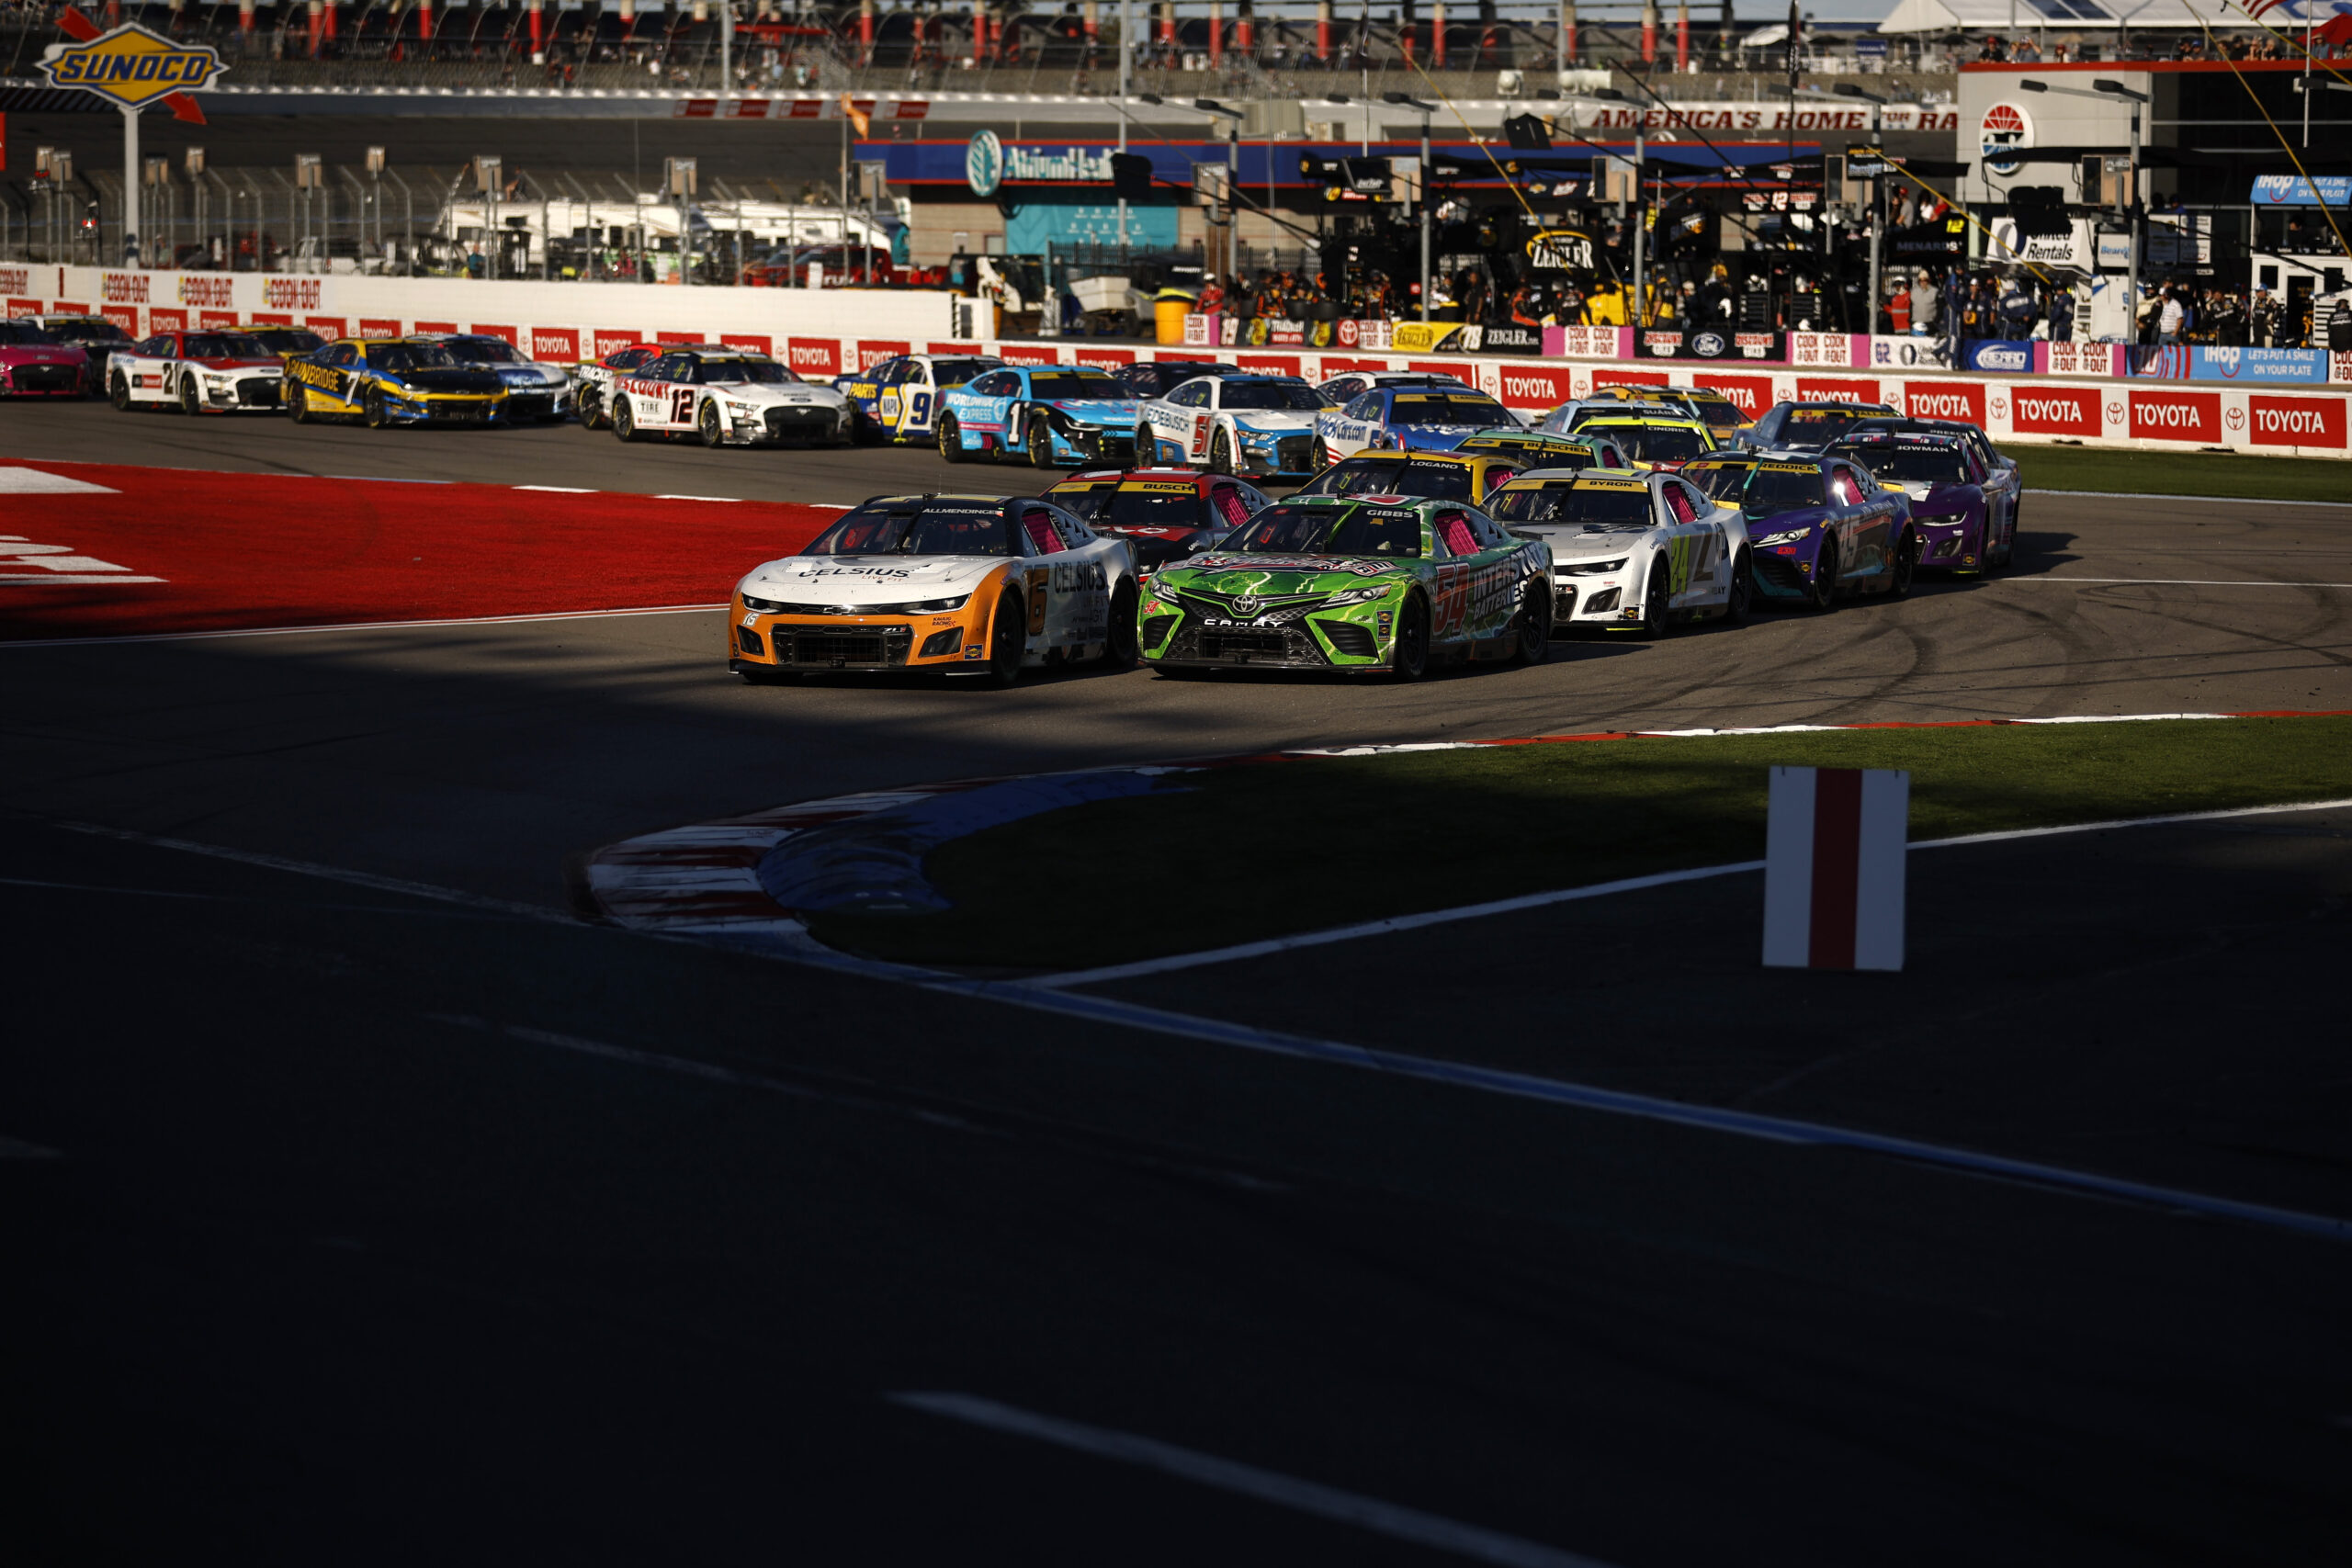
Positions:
{"x": 2093, "y": 15}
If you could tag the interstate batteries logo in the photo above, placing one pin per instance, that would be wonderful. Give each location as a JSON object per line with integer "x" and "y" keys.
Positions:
{"x": 130, "y": 65}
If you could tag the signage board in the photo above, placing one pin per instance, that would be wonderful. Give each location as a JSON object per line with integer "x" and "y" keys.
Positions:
{"x": 130, "y": 67}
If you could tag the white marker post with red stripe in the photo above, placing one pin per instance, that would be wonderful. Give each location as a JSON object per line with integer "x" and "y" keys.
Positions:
{"x": 1834, "y": 849}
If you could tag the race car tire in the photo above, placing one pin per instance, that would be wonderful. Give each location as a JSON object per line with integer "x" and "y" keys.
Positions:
{"x": 1040, "y": 444}
{"x": 298, "y": 406}
{"x": 624, "y": 421}
{"x": 592, "y": 410}
{"x": 1124, "y": 647}
{"x": 372, "y": 408}
{"x": 1008, "y": 640}
{"x": 1220, "y": 454}
{"x": 708, "y": 425}
{"x": 2009, "y": 542}
{"x": 1742, "y": 596}
{"x": 1408, "y": 657}
{"x": 1534, "y": 624}
{"x": 119, "y": 393}
{"x": 1906, "y": 566}
{"x": 1657, "y": 594}
{"x": 191, "y": 401}
{"x": 1824, "y": 579}
{"x": 951, "y": 440}
{"x": 1147, "y": 447}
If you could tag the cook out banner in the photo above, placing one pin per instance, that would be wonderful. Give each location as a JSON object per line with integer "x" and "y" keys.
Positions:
{"x": 827, "y": 332}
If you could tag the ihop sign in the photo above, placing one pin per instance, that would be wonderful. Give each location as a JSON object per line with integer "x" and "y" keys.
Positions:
{"x": 131, "y": 67}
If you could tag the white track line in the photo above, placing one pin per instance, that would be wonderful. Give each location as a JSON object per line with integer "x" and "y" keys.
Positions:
{"x": 362, "y": 625}
{"x": 1596, "y": 890}
{"x": 2181, "y": 581}
{"x": 1266, "y": 1485}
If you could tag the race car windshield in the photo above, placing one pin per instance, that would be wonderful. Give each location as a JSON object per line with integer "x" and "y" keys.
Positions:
{"x": 1657, "y": 443}
{"x": 18, "y": 334}
{"x": 956, "y": 372}
{"x": 1770, "y": 491}
{"x": 1813, "y": 427}
{"x": 90, "y": 332}
{"x": 1135, "y": 505}
{"x": 1075, "y": 384}
{"x": 1610, "y": 508}
{"x": 292, "y": 342}
{"x": 898, "y": 529}
{"x": 400, "y": 356}
{"x": 1721, "y": 413}
{"x": 219, "y": 346}
{"x": 766, "y": 372}
{"x": 1327, "y": 531}
{"x": 1912, "y": 465}
{"x": 1717, "y": 481}
{"x": 1426, "y": 410}
{"x": 1298, "y": 399}
{"x": 1358, "y": 476}
{"x": 490, "y": 351}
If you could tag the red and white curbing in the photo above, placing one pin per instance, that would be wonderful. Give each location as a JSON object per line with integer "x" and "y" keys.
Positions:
{"x": 1836, "y": 841}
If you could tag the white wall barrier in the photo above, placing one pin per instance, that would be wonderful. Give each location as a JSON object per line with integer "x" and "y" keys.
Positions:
{"x": 825, "y": 332}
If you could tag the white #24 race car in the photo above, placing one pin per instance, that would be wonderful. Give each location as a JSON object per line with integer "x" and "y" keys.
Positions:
{"x": 1630, "y": 552}
{"x": 1232, "y": 425}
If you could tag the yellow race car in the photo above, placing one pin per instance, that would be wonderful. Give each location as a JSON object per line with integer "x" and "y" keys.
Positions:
{"x": 388, "y": 381}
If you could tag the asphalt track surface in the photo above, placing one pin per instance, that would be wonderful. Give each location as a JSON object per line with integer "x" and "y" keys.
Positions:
{"x": 391, "y": 1219}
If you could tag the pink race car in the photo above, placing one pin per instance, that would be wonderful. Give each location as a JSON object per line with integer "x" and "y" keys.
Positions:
{"x": 35, "y": 365}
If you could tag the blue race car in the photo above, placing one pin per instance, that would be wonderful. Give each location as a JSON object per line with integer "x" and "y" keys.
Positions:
{"x": 897, "y": 399}
{"x": 1051, "y": 414}
{"x": 1413, "y": 419}
{"x": 1817, "y": 526}
{"x": 1953, "y": 502}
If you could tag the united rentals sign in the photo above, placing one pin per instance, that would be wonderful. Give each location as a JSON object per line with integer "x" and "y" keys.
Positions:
{"x": 131, "y": 67}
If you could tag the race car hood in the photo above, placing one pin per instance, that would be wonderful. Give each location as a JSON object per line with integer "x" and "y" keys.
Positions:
{"x": 41, "y": 354}
{"x": 1304, "y": 581}
{"x": 471, "y": 382}
{"x": 849, "y": 580}
{"x": 1431, "y": 437}
{"x": 1097, "y": 411}
{"x": 791, "y": 394}
{"x": 232, "y": 362}
{"x": 1573, "y": 542}
{"x": 1271, "y": 422}
{"x": 532, "y": 375}
{"x": 1941, "y": 493}
{"x": 1804, "y": 520}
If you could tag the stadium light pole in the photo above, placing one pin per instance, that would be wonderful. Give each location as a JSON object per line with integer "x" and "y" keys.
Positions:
{"x": 1127, "y": 60}
{"x": 1407, "y": 101}
{"x": 2107, "y": 89}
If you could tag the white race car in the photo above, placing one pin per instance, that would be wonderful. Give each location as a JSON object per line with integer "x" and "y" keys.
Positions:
{"x": 534, "y": 389}
{"x": 1232, "y": 425}
{"x": 976, "y": 585}
{"x": 197, "y": 372}
{"x": 727, "y": 398}
{"x": 1630, "y": 552}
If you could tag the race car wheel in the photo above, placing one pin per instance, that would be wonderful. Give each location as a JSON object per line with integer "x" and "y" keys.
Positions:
{"x": 1742, "y": 595}
{"x": 373, "y": 407}
{"x": 1123, "y": 646}
{"x": 2009, "y": 540}
{"x": 1657, "y": 593}
{"x": 624, "y": 421}
{"x": 1008, "y": 640}
{"x": 592, "y": 410}
{"x": 191, "y": 402}
{"x": 297, "y": 407}
{"x": 1824, "y": 577}
{"x": 708, "y": 425}
{"x": 1408, "y": 660}
{"x": 951, "y": 440}
{"x": 1534, "y": 624}
{"x": 1906, "y": 566}
{"x": 1220, "y": 454}
{"x": 1041, "y": 442}
{"x": 1147, "y": 447}
{"x": 119, "y": 393}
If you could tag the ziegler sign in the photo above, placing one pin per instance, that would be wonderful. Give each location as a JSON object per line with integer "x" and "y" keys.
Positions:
{"x": 131, "y": 67}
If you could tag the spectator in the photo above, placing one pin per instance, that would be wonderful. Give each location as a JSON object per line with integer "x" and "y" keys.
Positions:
{"x": 1924, "y": 307}
{"x": 2061, "y": 315}
{"x": 2019, "y": 310}
{"x": 2169, "y": 318}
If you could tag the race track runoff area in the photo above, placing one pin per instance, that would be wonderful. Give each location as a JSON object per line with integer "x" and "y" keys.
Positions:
{"x": 367, "y": 1195}
{"x": 119, "y": 551}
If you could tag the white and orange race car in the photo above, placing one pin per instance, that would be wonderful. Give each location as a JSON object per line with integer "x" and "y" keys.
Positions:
{"x": 209, "y": 371}
{"x": 986, "y": 585}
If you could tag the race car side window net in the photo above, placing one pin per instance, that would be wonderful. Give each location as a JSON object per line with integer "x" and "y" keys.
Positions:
{"x": 1043, "y": 537}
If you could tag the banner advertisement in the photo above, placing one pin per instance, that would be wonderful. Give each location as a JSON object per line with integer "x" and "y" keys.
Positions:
{"x": 1422, "y": 337}
{"x": 1589, "y": 343}
{"x": 1909, "y": 354}
{"x": 2072, "y": 248}
{"x": 2006, "y": 355}
{"x": 1831, "y": 351}
{"x": 1709, "y": 343}
{"x": 1507, "y": 337}
{"x": 2276, "y": 367}
{"x": 2078, "y": 359}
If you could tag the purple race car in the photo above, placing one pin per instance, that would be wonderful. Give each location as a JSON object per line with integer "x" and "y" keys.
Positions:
{"x": 35, "y": 365}
{"x": 1818, "y": 526}
{"x": 1961, "y": 527}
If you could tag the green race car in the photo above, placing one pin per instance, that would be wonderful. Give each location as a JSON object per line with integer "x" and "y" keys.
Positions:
{"x": 1340, "y": 582}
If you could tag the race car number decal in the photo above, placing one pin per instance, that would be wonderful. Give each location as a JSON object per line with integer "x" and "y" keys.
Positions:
{"x": 682, "y": 405}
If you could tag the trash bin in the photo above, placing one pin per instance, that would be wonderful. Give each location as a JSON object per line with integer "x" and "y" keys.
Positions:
{"x": 1169, "y": 311}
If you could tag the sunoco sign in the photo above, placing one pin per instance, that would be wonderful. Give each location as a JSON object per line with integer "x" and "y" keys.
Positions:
{"x": 131, "y": 67}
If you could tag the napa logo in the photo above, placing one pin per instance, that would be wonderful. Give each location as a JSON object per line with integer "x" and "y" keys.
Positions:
{"x": 130, "y": 65}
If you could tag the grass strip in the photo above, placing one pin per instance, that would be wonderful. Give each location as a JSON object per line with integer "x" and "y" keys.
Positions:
{"x": 1238, "y": 853}
{"x": 2224, "y": 475}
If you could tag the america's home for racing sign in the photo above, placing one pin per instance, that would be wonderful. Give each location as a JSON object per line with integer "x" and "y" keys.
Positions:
{"x": 130, "y": 67}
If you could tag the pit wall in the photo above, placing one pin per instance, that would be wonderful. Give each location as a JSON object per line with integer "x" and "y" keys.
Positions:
{"x": 827, "y": 333}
